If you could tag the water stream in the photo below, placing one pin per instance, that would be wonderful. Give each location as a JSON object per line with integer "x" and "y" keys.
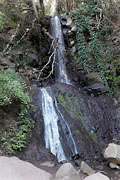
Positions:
{"x": 60, "y": 68}
{"x": 50, "y": 110}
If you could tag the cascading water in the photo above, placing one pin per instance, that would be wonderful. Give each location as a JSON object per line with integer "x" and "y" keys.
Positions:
{"x": 51, "y": 112}
{"x": 56, "y": 32}
{"x": 52, "y": 138}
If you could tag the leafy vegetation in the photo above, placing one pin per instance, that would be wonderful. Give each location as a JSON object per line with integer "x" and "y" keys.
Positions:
{"x": 91, "y": 38}
{"x": 12, "y": 93}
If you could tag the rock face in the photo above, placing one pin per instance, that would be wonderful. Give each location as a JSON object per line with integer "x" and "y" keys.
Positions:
{"x": 97, "y": 176}
{"x": 112, "y": 153}
{"x": 15, "y": 169}
{"x": 67, "y": 172}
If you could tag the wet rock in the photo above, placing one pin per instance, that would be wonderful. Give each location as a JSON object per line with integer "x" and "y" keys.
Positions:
{"x": 112, "y": 153}
{"x": 15, "y": 169}
{"x": 85, "y": 168}
{"x": 97, "y": 176}
{"x": 114, "y": 166}
{"x": 67, "y": 172}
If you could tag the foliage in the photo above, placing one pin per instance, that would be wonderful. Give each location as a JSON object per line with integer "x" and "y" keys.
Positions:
{"x": 83, "y": 24}
{"x": 93, "y": 43}
{"x": 12, "y": 91}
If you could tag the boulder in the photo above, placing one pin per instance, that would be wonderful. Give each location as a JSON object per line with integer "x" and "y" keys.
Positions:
{"x": 97, "y": 176}
{"x": 85, "y": 168}
{"x": 112, "y": 153}
{"x": 93, "y": 78}
{"x": 15, "y": 169}
{"x": 67, "y": 172}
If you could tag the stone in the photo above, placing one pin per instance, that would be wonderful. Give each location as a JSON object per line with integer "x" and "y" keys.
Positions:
{"x": 112, "y": 153}
{"x": 65, "y": 30}
{"x": 74, "y": 49}
{"x": 16, "y": 169}
{"x": 72, "y": 43}
{"x": 67, "y": 172}
{"x": 93, "y": 78}
{"x": 97, "y": 176}
{"x": 69, "y": 22}
{"x": 85, "y": 168}
{"x": 74, "y": 29}
{"x": 98, "y": 87}
{"x": 63, "y": 21}
{"x": 114, "y": 166}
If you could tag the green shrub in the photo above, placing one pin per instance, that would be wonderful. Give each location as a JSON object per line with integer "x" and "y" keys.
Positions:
{"x": 12, "y": 90}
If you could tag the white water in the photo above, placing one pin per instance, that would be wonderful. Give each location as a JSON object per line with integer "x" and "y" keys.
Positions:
{"x": 56, "y": 31}
{"x": 52, "y": 138}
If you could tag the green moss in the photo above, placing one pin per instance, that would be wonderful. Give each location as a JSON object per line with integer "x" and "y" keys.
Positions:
{"x": 71, "y": 104}
{"x": 61, "y": 99}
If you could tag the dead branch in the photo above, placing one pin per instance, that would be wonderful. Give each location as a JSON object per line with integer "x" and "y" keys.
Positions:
{"x": 53, "y": 55}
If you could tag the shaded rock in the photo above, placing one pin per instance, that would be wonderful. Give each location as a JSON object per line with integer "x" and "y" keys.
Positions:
{"x": 15, "y": 169}
{"x": 114, "y": 166}
{"x": 5, "y": 62}
{"x": 98, "y": 87}
{"x": 97, "y": 176}
{"x": 67, "y": 172}
{"x": 93, "y": 78}
{"x": 33, "y": 59}
{"x": 112, "y": 153}
{"x": 85, "y": 168}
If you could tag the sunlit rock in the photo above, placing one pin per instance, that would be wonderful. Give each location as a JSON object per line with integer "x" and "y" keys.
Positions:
{"x": 112, "y": 153}
{"x": 67, "y": 172}
{"x": 85, "y": 168}
{"x": 69, "y": 22}
{"x": 15, "y": 169}
{"x": 97, "y": 176}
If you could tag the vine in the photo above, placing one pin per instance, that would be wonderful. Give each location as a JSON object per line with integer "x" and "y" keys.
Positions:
{"x": 83, "y": 25}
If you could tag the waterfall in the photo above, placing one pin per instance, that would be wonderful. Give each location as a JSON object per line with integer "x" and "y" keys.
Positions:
{"x": 60, "y": 68}
{"x": 52, "y": 138}
{"x": 51, "y": 116}
{"x": 50, "y": 109}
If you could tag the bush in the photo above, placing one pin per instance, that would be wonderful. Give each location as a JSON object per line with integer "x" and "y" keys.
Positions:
{"x": 12, "y": 90}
